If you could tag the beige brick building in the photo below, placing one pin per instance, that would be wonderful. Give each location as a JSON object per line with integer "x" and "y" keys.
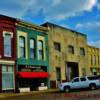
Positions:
{"x": 67, "y": 54}
{"x": 93, "y": 60}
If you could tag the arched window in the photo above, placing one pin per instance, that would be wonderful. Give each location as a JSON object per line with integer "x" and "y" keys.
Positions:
{"x": 40, "y": 49}
{"x": 32, "y": 48}
{"x": 7, "y": 45}
{"x": 22, "y": 46}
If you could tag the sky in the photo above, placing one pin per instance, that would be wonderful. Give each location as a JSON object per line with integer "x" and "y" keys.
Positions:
{"x": 79, "y": 15}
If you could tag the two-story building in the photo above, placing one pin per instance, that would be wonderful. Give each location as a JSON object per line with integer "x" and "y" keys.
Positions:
{"x": 28, "y": 53}
{"x": 93, "y": 60}
{"x": 32, "y": 55}
{"x": 7, "y": 53}
{"x": 23, "y": 55}
{"x": 67, "y": 54}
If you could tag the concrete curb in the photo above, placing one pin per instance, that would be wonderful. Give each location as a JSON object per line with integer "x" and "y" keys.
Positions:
{"x": 6, "y": 95}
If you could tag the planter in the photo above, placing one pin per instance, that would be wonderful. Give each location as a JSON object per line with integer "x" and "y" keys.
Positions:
{"x": 26, "y": 89}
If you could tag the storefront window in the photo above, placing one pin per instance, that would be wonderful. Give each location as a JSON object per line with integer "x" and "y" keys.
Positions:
{"x": 7, "y": 77}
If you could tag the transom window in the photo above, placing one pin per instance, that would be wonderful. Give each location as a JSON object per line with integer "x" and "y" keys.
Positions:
{"x": 22, "y": 46}
{"x": 32, "y": 48}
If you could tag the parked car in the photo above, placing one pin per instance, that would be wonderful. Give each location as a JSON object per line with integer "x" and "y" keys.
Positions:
{"x": 91, "y": 82}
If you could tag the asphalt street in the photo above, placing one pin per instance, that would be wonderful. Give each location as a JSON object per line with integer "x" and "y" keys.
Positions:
{"x": 74, "y": 95}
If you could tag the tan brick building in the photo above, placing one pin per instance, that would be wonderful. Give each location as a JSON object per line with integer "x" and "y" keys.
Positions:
{"x": 93, "y": 60}
{"x": 67, "y": 54}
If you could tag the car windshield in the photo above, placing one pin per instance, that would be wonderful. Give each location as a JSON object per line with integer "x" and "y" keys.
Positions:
{"x": 75, "y": 80}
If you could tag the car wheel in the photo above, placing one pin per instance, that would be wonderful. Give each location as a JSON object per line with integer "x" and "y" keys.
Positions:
{"x": 92, "y": 86}
{"x": 66, "y": 88}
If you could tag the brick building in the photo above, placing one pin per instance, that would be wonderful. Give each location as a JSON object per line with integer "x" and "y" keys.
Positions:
{"x": 23, "y": 55}
{"x": 7, "y": 53}
{"x": 28, "y": 53}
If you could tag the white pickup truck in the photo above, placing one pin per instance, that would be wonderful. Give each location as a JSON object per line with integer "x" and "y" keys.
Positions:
{"x": 91, "y": 82}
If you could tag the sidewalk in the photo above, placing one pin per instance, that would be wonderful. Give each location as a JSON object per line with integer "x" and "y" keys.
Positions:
{"x": 6, "y": 95}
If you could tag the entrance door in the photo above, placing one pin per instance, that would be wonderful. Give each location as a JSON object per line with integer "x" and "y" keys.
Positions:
{"x": 68, "y": 75}
{"x": 7, "y": 78}
{"x": 72, "y": 70}
{"x": 58, "y": 76}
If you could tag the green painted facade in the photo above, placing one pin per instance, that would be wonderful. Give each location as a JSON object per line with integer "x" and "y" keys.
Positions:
{"x": 28, "y": 61}
{"x": 33, "y": 34}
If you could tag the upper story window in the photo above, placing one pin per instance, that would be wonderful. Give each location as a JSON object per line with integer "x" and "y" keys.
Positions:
{"x": 91, "y": 60}
{"x": 98, "y": 60}
{"x": 71, "y": 49}
{"x": 22, "y": 46}
{"x": 40, "y": 49}
{"x": 94, "y": 59}
{"x": 7, "y": 43}
{"x": 32, "y": 48}
{"x": 82, "y": 51}
{"x": 57, "y": 46}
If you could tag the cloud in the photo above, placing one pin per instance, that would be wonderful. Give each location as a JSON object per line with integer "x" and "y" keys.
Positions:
{"x": 90, "y": 4}
{"x": 98, "y": 4}
{"x": 93, "y": 32}
{"x": 90, "y": 26}
{"x": 14, "y": 8}
{"x": 52, "y": 9}
{"x": 56, "y": 2}
{"x": 68, "y": 8}
{"x": 79, "y": 25}
{"x": 94, "y": 43}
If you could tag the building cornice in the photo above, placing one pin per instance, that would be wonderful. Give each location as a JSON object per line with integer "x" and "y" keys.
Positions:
{"x": 31, "y": 26}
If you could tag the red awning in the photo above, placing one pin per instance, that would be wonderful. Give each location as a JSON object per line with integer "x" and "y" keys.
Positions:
{"x": 33, "y": 74}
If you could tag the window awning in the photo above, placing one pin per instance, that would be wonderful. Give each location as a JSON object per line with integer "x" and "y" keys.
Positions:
{"x": 33, "y": 74}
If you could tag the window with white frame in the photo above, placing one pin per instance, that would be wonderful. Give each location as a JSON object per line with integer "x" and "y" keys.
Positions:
{"x": 22, "y": 46}
{"x": 7, "y": 77}
{"x": 32, "y": 48}
{"x": 7, "y": 44}
{"x": 40, "y": 49}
